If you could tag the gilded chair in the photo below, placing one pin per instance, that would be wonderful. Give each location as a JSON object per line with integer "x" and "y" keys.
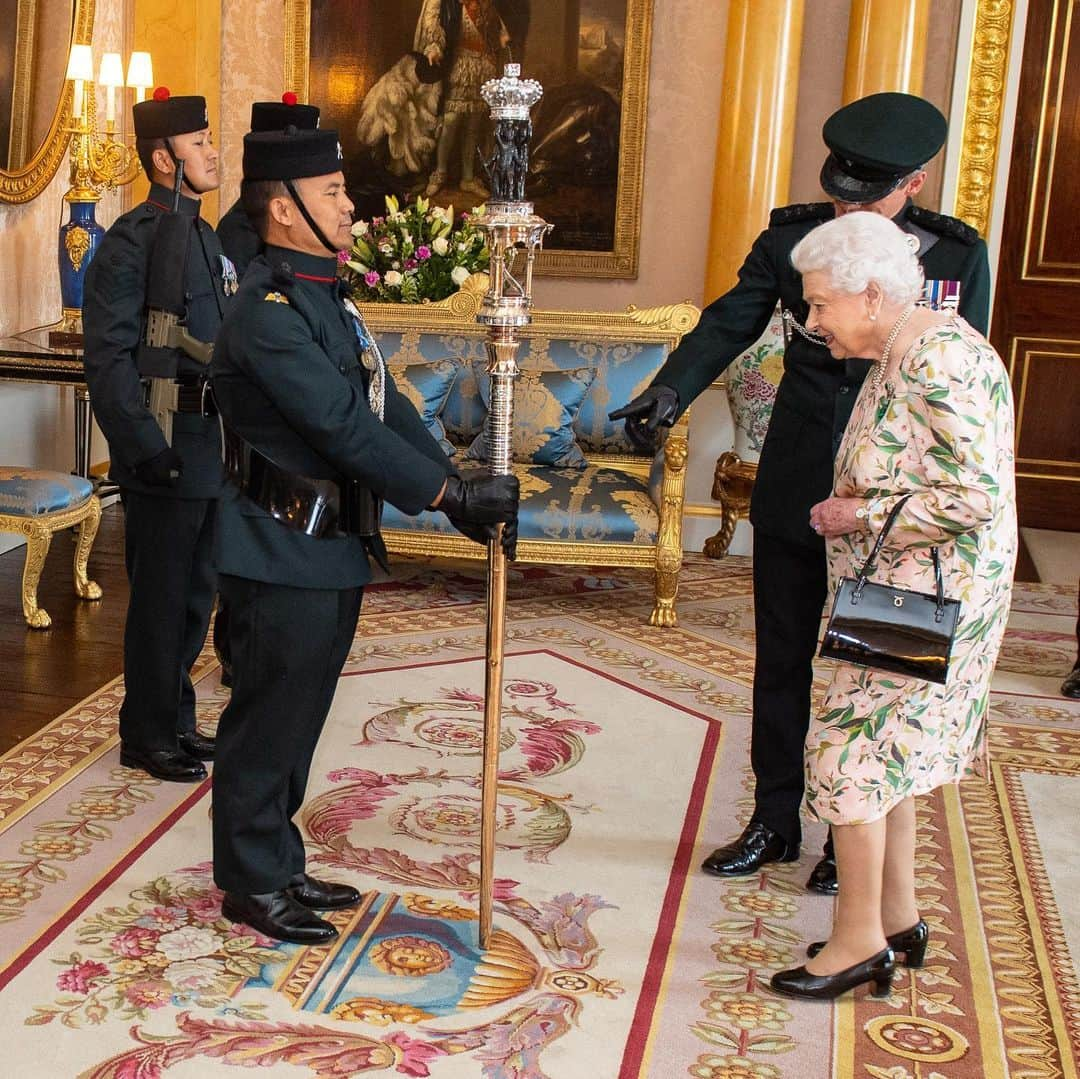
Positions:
{"x": 37, "y": 503}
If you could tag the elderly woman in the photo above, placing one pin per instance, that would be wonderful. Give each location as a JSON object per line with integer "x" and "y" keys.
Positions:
{"x": 934, "y": 420}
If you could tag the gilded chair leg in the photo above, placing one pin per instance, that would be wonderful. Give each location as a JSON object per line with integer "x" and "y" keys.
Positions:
{"x": 669, "y": 554}
{"x": 84, "y": 587}
{"x": 38, "y": 539}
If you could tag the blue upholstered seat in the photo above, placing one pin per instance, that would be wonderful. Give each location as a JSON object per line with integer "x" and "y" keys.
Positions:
{"x": 590, "y": 505}
{"x": 32, "y": 492}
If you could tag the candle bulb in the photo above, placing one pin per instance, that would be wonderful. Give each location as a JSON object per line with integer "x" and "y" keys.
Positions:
{"x": 76, "y": 109}
{"x": 112, "y": 76}
{"x": 80, "y": 69}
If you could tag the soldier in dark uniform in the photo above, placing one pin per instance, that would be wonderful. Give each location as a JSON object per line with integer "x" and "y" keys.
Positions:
{"x": 169, "y": 491}
{"x": 878, "y": 146}
{"x": 235, "y": 231}
{"x": 316, "y": 434}
{"x": 242, "y": 243}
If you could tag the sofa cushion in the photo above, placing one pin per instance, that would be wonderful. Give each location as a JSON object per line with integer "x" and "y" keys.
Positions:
{"x": 623, "y": 369}
{"x": 463, "y": 414}
{"x": 565, "y": 505}
{"x": 545, "y": 406}
{"x": 427, "y": 386}
{"x": 32, "y": 492}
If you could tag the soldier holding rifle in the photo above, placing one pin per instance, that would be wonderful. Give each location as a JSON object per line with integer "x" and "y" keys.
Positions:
{"x": 155, "y": 294}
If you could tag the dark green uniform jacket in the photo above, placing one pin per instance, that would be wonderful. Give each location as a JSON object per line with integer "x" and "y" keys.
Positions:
{"x": 239, "y": 238}
{"x": 817, "y": 393}
{"x": 288, "y": 380}
{"x": 114, "y": 319}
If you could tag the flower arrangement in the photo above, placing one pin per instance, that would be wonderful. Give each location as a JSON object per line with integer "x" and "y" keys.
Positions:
{"x": 414, "y": 254}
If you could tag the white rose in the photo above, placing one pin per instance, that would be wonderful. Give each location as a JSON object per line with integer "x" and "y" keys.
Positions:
{"x": 360, "y": 228}
{"x": 188, "y": 942}
{"x": 194, "y": 974}
{"x": 440, "y": 245}
{"x": 458, "y": 275}
{"x": 463, "y": 247}
{"x": 386, "y": 249}
{"x": 392, "y": 277}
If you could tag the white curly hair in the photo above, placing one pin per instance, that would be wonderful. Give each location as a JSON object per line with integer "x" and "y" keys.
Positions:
{"x": 858, "y": 248}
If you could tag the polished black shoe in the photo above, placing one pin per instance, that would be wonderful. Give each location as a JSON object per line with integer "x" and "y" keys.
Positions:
{"x": 278, "y": 915}
{"x": 1071, "y": 686}
{"x": 196, "y": 745}
{"x": 911, "y": 943}
{"x": 321, "y": 894}
{"x": 823, "y": 877}
{"x": 754, "y": 848}
{"x": 172, "y": 765}
{"x": 799, "y": 982}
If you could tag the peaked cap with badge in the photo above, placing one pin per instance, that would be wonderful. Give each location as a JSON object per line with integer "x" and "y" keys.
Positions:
{"x": 876, "y": 142}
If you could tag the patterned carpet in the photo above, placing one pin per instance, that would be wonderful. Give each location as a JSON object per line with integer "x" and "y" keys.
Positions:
{"x": 624, "y": 761}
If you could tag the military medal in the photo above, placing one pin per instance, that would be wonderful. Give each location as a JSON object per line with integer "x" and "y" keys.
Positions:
{"x": 940, "y": 295}
{"x": 230, "y": 283}
{"x": 371, "y": 357}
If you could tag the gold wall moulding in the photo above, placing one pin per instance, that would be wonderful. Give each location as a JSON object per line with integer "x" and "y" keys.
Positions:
{"x": 985, "y": 101}
{"x": 27, "y": 182}
{"x": 588, "y": 206}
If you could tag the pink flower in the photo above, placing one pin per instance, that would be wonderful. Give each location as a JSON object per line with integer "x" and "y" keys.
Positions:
{"x": 415, "y": 1055}
{"x": 342, "y": 257}
{"x": 423, "y": 252}
{"x": 371, "y": 278}
{"x": 148, "y": 994}
{"x": 411, "y": 264}
{"x": 135, "y": 942}
{"x": 240, "y": 930}
{"x": 207, "y": 908}
{"x": 77, "y": 979}
{"x": 377, "y": 221}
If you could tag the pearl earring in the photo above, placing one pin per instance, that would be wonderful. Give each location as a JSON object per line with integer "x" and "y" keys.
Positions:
{"x": 873, "y": 318}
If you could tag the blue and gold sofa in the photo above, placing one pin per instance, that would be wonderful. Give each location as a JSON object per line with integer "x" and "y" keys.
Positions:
{"x": 587, "y": 497}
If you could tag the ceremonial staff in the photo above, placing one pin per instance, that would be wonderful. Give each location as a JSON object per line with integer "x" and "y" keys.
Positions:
{"x": 511, "y": 228}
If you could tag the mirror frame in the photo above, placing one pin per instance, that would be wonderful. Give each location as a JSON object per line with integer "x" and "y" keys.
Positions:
{"x": 26, "y": 183}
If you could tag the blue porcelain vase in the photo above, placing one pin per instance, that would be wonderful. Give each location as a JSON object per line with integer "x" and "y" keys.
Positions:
{"x": 79, "y": 239}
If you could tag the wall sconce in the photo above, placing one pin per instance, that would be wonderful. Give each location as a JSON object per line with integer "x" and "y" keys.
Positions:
{"x": 99, "y": 162}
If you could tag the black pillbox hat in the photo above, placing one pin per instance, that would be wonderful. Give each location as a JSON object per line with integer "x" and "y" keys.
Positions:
{"x": 291, "y": 154}
{"x": 278, "y": 115}
{"x": 164, "y": 115}
{"x": 877, "y": 141}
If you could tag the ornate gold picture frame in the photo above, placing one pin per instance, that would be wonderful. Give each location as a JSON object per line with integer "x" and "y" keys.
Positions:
{"x": 25, "y": 183}
{"x": 359, "y": 59}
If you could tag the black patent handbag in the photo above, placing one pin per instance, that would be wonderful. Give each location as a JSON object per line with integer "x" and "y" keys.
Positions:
{"x": 892, "y": 629}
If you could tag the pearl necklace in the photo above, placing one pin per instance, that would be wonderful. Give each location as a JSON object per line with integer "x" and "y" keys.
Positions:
{"x": 894, "y": 333}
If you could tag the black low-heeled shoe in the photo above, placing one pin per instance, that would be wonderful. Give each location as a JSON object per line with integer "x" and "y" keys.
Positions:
{"x": 799, "y": 982}
{"x": 911, "y": 942}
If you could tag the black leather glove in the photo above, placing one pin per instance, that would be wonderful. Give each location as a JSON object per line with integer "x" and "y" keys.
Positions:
{"x": 476, "y": 505}
{"x": 483, "y": 533}
{"x": 655, "y": 408}
{"x": 161, "y": 470}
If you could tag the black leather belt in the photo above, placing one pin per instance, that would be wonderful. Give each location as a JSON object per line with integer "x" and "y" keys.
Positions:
{"x": 319, "y": 508}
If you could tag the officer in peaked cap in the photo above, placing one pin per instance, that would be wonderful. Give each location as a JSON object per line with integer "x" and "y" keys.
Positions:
{"x": 316, "y": 436}
{"x": 877, "y": 149}
{"x": 238, "y": 236}
{"x": 169, "y": 490}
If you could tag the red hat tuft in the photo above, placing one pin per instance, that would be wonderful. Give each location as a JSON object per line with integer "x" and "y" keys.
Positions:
{"x": 162, "y": 94}
{"x": 288, "y": 98}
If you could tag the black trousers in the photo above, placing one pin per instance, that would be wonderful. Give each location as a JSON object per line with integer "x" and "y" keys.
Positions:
{"x": 790, "y": 585}
{"x": 167, "y": 550}
{"x": 288, "y": 647}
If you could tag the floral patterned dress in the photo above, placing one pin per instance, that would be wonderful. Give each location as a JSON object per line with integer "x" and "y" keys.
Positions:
{"x": 944, "y": 432}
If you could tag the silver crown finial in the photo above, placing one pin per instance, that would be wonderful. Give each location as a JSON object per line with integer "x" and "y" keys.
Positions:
{"x": 511, "y": 97}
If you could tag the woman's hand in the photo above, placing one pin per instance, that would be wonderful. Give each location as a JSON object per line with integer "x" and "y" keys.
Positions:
{"x": 836, "y": 516}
